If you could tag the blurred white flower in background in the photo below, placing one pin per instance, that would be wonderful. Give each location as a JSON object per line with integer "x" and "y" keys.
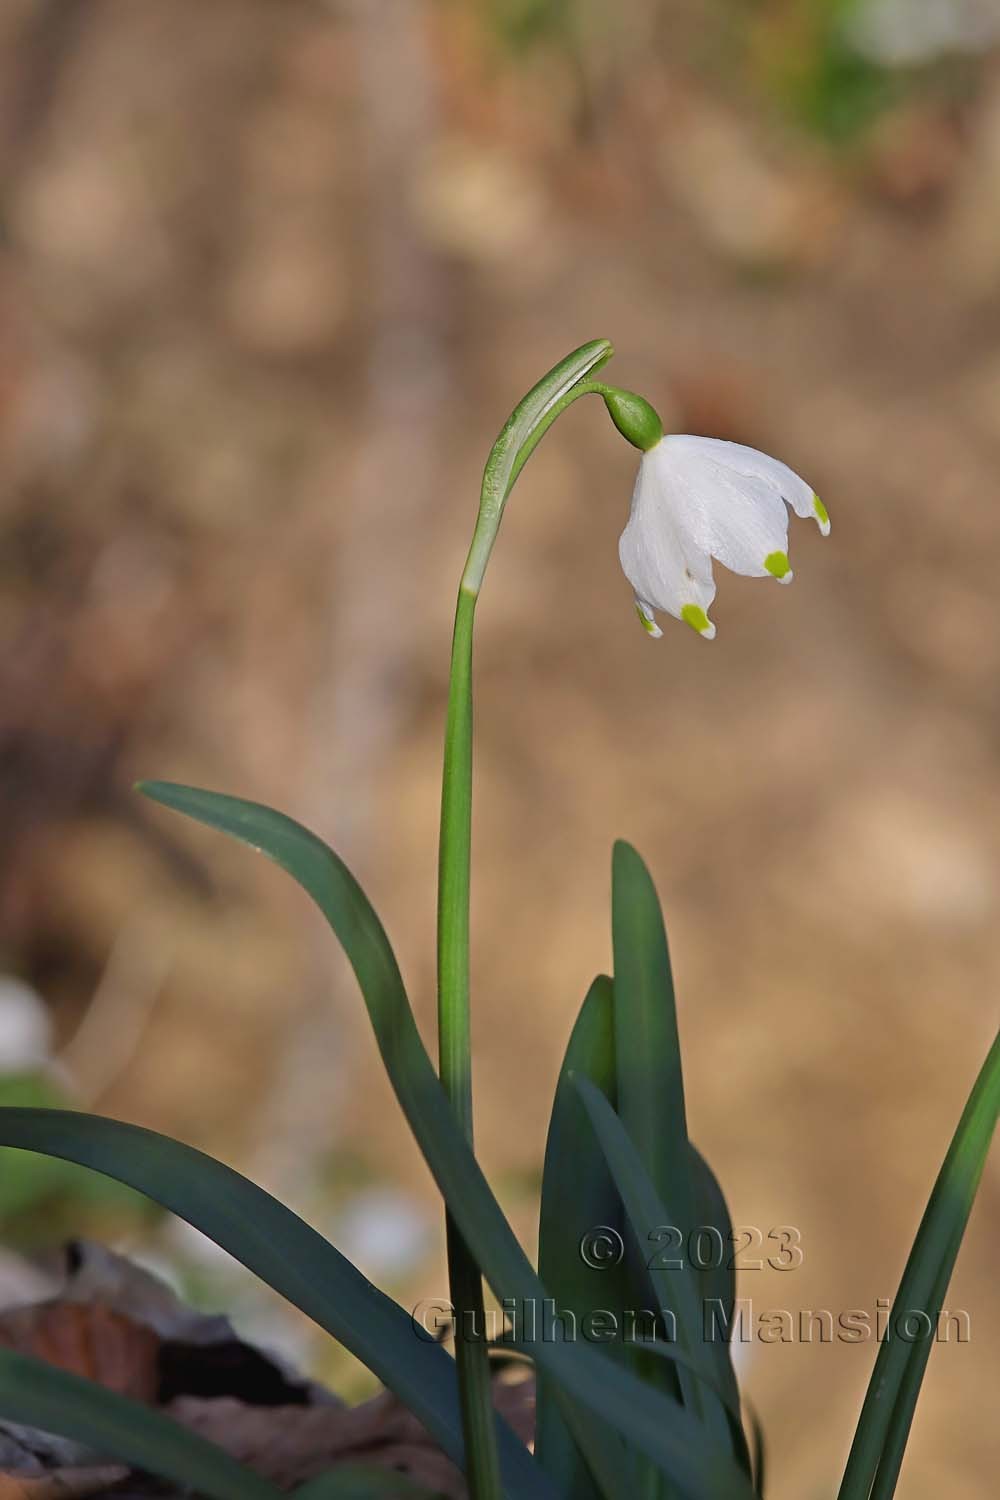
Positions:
{"x": 25, "y": 1028}
{"x": 900, "y": 32}
{"x": 385, "y": 1232}
{"x": 699, "y": 498}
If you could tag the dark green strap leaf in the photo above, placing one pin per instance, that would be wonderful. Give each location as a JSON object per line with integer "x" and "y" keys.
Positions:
{"x": 38, "y": 1395}
{"x": 277, "y": 1246}
{"x": 718, "y": 1279}
{"x": 675, "y": 1289}
{"x": 891, "y": 1458}
{"x": 758, "y": 1452}
{"x": 650, "y": 1101}
{"x": 653, "y": 1424}
{"x": 895, "y": 1382}
{"x": 648, "y": 1055}
{"x": 363, "y": 1482}
{"x": 579, "y": 1202}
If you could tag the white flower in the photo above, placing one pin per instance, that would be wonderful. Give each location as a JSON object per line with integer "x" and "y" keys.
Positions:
{"x": 700, "y": 498}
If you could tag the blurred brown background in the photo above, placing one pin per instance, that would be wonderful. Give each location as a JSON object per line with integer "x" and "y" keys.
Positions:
{"x": 271, "y": 277}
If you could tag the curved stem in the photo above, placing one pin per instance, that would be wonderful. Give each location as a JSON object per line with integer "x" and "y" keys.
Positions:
{"x": 492, "y": 506}
{"x": 518, "y": 440}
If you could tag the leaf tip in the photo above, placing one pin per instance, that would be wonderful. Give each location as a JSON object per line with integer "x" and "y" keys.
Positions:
{"x": 151, "y": 789}
{"x": 624, "y": 855}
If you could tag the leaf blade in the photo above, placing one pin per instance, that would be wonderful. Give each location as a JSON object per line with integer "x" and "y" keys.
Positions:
{"x": 39, "y": 1395}
{"x": 577, "y": 1196}
{"x": 643, "y": 1205}
{"x": 276, "y": 1245}
{"x": 653, "y": 1423}
{"x": 718, "y": 1282}
{"x": 363, "y": 1482}
{"x": 898, "y": 1432}
{"x": 938, "y": 1238}
{"x": 648, "y": 1056}
{"x": 650, "y": 1102}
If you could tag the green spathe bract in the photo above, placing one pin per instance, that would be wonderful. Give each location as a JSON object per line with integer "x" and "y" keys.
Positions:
{"x": 655, "y": 1421}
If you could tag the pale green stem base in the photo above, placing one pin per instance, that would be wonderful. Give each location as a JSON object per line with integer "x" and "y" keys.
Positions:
{"x": 478, "y": 1424}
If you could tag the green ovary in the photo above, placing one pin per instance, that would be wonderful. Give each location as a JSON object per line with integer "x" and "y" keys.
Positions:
{"x": 776, "y": 564}
{"x": 695, "y": 616}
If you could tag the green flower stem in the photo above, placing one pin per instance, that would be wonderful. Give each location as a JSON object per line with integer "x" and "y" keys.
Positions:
{"x": 524, "y": 430}
{"x": 454, "y": 873}
{"x": 478, "y": 1426}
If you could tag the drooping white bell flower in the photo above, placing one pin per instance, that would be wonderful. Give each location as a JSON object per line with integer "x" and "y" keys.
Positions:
{"x": 697, "y": 499}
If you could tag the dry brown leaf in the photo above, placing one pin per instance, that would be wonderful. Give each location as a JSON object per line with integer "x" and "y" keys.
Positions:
{"x": 200, "y": 1353}
{"x": 62, "y": 1484}
{"x": 121, "y": 1326}
{"x": 292, "y": 1444}
{"x": 288, "y": 1443}
{"x": 88, "y": 1339}
{"x": 95, "y": 1273}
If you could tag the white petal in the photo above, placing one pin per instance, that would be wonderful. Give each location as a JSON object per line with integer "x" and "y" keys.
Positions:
{"x": 749, "y": 461}
{"x": 739, "y": 520}
{"x": 647, "y": 619}
{"x": 749, "y": 525}
{"x": 744, "y": 460}
{"x": 659, "y": 552}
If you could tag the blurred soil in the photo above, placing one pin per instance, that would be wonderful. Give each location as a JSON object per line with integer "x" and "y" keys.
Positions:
{"x": 271, "y": 278}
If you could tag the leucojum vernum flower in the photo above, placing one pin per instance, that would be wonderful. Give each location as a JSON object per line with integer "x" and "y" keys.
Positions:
{"x": 699, "y": 499}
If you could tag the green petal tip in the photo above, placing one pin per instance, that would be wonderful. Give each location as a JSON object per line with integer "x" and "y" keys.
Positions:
{"x": 695, "y": 616}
